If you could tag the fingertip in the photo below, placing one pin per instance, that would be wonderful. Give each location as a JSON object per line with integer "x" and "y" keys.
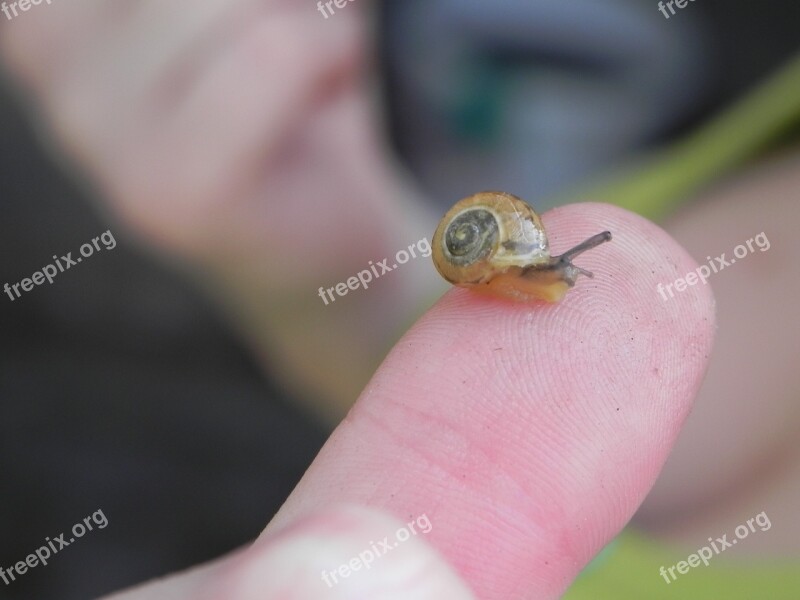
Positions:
{"x": 531, "y": 432}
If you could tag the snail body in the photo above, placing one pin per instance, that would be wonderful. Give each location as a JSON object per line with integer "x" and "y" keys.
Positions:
{"x": 493, "y": 242}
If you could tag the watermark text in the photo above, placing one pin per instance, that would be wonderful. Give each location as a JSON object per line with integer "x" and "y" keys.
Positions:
{"x": 364, "y": 277}
{"x": 719, "y": 545}
{"x": 321, "y": 6}
{"x": 10, "y": 10}
{"x": 48, "y": 272}
{"x": 663, "y": 6}
{"x": 51, "y": 547}
{"x": 703, "y": 272}
{"x": 366, "y": 558}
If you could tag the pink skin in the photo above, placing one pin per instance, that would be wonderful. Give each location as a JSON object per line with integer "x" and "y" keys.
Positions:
{"x": 528, "y": 434}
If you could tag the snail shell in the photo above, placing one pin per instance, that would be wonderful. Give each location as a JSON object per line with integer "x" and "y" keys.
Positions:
{"x": 494, "y": 242}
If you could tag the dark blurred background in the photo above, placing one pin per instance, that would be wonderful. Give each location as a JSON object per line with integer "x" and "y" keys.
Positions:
{"x": 123, "y": 389}
{"x": 537, "y": 96}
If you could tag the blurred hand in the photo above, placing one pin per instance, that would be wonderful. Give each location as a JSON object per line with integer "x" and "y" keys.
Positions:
{"x": 526, "y": 434}
{"x": 218, "y": 125}
{"x": 237, "y": 134}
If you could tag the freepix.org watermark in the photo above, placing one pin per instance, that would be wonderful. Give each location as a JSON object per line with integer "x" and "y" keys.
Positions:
{"x": 363, "y": 278}
{"x": 10, "y": 8}
{"x": 51, "y": 547}
{"x": 721, "y": 544}
{"x": 366, "y": 558}
{"x": 662, "y": 6}
{"x": 329, "y": 5}
{"x": 48, "y": 272}
{"x": 703, "y": 272}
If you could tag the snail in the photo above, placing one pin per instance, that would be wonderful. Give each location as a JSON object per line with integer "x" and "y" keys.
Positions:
{"x": 494, "y": 242}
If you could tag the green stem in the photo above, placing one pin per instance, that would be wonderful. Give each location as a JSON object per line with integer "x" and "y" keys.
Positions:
{"x": 665, "y": 180}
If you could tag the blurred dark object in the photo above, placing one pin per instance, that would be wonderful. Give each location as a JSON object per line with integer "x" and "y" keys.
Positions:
{"x": 121, "y": 390}
{"x": 534, "y": 97}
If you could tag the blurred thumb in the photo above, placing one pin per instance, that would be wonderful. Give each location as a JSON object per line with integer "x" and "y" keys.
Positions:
{"x": 329, "y": 554}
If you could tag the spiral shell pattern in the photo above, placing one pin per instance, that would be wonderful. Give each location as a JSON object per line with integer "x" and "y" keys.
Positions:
{"x": 471, "y": 236}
